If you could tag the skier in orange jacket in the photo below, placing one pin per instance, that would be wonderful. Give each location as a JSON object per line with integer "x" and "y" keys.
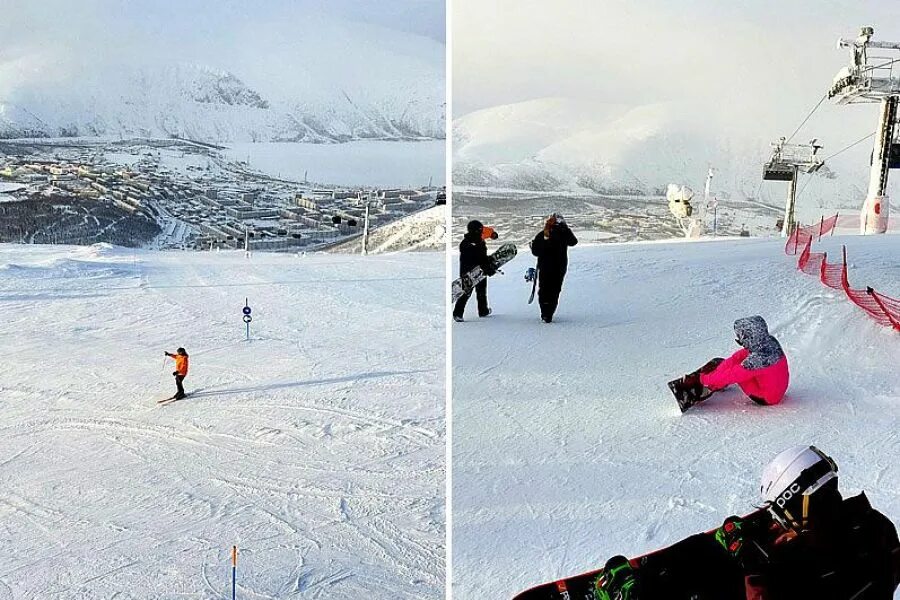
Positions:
{"x": 181, "y": 370}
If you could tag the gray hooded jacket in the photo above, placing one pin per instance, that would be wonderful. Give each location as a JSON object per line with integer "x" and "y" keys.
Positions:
{"x": 753, "y": 334}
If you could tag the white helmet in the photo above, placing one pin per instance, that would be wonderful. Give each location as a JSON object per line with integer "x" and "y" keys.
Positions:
{"x": 789, "y": 480}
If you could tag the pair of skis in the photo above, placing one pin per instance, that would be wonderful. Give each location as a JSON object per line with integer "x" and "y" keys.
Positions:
{"x": 171, "y": 399}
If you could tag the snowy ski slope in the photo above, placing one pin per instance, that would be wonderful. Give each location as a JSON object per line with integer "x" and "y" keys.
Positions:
{"x": 424, "y": 230}
{"x": 317, "y": 447}
{"x": 567, "y": 446}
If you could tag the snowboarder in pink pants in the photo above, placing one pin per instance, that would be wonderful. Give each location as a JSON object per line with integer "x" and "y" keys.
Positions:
{"x": 760, "y": 368}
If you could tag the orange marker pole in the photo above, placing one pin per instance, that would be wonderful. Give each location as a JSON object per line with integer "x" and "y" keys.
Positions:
{"x": 233, "y": 571}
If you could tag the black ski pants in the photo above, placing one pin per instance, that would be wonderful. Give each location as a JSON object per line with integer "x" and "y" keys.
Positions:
{"x": 178, "y": 379}
{"x": 480, "y": 295}
{"x": 549, "y": 288}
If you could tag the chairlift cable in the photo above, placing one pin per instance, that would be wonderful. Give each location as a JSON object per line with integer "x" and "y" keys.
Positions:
{"x": 844, "y": 149}
{"x": 815, "y": 108}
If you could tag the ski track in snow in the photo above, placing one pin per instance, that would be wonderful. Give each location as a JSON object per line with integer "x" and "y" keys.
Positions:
{"x": 568, "y": 448}
{"x": 317, "y": 447}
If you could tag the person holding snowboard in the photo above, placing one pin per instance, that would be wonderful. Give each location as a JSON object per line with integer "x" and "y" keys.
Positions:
{"x": 551, "y": 247}
{"x": 180, "y": 372}
{"x": 473, "y": 253}
{"x": 759, "y": 367}
{"x": 807, "y": 542}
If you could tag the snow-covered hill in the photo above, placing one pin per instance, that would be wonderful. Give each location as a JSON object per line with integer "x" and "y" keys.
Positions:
{"x": 568, "y": 447}
{"x": 333, "y": 82}
{"x": 561, "y": 144}
{"x": 317, "y": 447}
{"x": 424, "y": 230}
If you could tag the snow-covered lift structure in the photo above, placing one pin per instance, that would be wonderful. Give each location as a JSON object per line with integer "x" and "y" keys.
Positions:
{"x": 872, "y": 79}
{"x": 679, "y": 198}
{"x": 691, "y": 219}
{"x": 786, "y": 162}
{"x": 711, "y": 204}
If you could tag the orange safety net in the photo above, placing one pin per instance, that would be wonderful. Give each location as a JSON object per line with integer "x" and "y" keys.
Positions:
{"x": 884, "y": 309}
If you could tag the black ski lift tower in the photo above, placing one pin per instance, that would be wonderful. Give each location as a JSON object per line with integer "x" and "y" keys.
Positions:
{"x": 788, "y": 160}
{"x": 872, "y": 79}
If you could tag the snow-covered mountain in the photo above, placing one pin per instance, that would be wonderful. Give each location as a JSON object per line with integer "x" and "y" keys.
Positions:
{"x": 559, "y": 144}
{"x": 331, "y": 84}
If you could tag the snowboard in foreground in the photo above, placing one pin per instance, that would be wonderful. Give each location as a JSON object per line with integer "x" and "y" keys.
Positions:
{"x": 467, "y": 283}
{"x": 696, "y": 568}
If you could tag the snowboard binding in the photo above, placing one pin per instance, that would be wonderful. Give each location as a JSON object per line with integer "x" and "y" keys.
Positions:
{"x": 617, "y": 581}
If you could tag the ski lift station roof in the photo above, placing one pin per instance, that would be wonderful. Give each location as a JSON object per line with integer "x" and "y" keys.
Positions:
{"x": 869, "y": 78}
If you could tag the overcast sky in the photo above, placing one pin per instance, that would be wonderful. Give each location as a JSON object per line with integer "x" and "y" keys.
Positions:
{"x": 255, "y": 39}
{"x": 756, "y": 61}
{"x": 29, "y": 21}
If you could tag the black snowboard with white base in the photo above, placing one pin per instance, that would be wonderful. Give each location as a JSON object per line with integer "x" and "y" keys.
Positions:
{"x": 467, "y": 282}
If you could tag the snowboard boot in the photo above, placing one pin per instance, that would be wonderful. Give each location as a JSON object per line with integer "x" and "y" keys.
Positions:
{"x": 546, "y": 319}
{"x": 731, "y": 536}
{"x": 458, "y": 319}
{"x": 617, "y": 581}
{"x": 487, "y": 313}
{"x": 688, "y": 390}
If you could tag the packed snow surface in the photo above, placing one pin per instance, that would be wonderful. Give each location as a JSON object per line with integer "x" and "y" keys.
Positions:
{"x": 568, "y": 448}
{"x": 317, "y": 447}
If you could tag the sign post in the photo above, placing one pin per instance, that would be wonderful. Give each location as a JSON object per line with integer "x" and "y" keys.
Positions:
{"x": 233, "y": 572}
{"x": 247, "y": 318}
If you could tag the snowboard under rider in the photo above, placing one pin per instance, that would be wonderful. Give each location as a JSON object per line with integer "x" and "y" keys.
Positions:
{"x": 551, "y": 247}
{"x": 759, "y": 368}
{"x": 473, "y": 253}
{"x": 812, "y": 543}
{"x": 181, "y": 370}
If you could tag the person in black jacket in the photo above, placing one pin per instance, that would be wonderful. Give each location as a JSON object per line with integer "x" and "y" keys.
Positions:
{"x": 473, "y": 253}
{"x": 810, "y": 542}
{"x": 821, "y": 545}
{"x": 551, "y": 246}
